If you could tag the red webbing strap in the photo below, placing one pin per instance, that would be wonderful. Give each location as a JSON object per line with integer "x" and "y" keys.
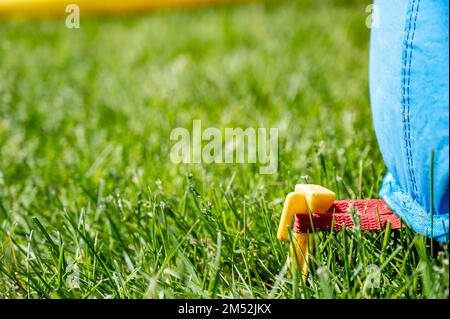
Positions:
{"x": 340, "y": 214}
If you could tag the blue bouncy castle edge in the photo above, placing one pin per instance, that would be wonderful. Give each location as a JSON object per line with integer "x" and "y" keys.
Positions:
{"x": 409, "y": 89}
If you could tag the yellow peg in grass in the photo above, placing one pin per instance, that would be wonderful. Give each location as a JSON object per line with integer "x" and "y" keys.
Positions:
{"x": 299, "y": 252}
{"x": 295, "y": 203}
{"x": 318, "y": 198}
{"x": 306, "y": 198}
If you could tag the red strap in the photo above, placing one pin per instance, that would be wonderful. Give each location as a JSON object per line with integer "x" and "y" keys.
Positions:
{"x": 373, "y": 215}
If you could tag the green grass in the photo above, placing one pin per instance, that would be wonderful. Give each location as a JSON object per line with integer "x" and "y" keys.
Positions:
{"x": 87, "y": 190}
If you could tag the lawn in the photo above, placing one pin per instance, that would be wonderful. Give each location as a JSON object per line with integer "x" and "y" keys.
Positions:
{"x": 92, "y": 207}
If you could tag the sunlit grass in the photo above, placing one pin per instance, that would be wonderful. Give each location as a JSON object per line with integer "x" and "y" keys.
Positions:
{"x": 91, "y": 206}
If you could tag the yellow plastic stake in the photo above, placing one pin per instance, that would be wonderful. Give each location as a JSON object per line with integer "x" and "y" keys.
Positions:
{"x": 318, "y": 198}
{"x": 306, "y": 198}
{"x": 299, "y": 252}
{"x": 295, "y": 203}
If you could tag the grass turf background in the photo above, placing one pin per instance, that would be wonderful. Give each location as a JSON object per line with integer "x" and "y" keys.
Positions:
{"x": 91, "y": 206}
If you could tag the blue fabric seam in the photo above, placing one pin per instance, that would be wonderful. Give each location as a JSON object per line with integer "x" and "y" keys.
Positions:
{"x": 413, "y": 177}
{"x": 405, "y": 57}
{"x": 406, "y": 82}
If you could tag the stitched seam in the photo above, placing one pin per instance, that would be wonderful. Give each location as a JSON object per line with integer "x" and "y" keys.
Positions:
{"x": 404, "y": 106}
{"x": 406, "y": 84}
{"x": 408, "y": 95}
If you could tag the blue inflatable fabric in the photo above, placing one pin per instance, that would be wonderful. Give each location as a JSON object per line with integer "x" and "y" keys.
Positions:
{"x": 409, "y": 90}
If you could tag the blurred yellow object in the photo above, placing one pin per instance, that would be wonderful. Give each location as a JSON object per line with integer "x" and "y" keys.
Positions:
{"x": 58, "y": 7}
